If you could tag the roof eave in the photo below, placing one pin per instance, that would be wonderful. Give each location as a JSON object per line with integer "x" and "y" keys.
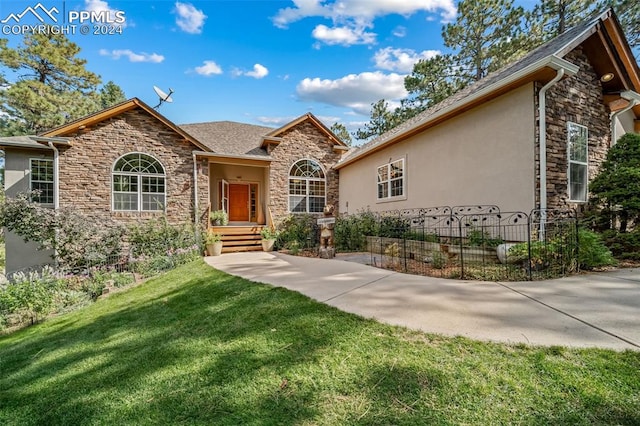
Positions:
{"x": 232, "y": 156}
{"x": 550, "y": 61}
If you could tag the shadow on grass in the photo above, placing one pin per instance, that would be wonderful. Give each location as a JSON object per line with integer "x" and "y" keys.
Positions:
{"x": 199, "y": 346}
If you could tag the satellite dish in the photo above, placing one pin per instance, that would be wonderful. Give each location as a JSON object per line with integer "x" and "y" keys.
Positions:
{"x": 162, "y": 96}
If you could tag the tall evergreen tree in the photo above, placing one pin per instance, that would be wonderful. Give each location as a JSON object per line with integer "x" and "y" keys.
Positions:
{"x": 554, "y": 17}
{"x": 381, "y": 121}
{"x": 111, "y": 94}
{"x": 341, "y": 132}
{"x": 432, "y": 81}
{"x": 628, "y": 12}
{"x": 53, "y": 85}
{"x": 482, "y": 35}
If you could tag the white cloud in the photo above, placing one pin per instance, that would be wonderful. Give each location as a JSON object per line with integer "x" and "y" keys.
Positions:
{"x": 361, "y": 11}
{"x": 400, "y": 60}
{"x": 344, "y": 36}
{"x": 209, "y": 68}
{"x": 259, "y": 71}
{"x": 355, "y": 91}
{"x": 102, "y": 6}
{"x": 275, "y": 121}
{"x": 281, "y": 121}
{"x": 133, "y": 57}
{"x": 399, "y": 31}
{"x": 189, "y": 19}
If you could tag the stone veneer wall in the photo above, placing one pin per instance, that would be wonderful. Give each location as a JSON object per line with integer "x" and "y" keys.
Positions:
{"x": 85, "y": 168}
{"x": 577, "y": 99}
{"x": 304, "y": 141}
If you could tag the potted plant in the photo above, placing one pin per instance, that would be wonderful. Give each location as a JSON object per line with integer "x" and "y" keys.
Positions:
{"x": 219, "y": 218}
{"x": 213, "y": 242}
{"x": 269, "y": 236}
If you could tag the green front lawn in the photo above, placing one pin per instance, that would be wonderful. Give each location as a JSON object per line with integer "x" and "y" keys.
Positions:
{"x": 197, "y": 346}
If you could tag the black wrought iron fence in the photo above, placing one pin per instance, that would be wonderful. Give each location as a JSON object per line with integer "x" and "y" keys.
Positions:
{"x": 470, "y": 242}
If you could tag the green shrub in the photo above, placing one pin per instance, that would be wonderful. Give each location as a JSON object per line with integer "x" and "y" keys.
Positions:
{"x": 158, "y": 237}
{"x": 428, "y": 237}
{"x": 301, "y": 228}
{"x": 439, "y": 260}
{"x": 30, "y": 295}
{"x": 393, "y": 227}
{"x": 592, "y": 252}
{"x": 623, "y": 245}
{"x": 77, "y": 239}
{"x": 480, "y": 238}
{"x": 348, "y": 235}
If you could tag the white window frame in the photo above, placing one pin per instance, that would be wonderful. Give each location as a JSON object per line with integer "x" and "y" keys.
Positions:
{"x": 52, "y": 182}
{"x": 139, "y": 176}
{"x": 571, "y": 161}
{"x": 389, "y": 181}
{"x": 307, "y": 180}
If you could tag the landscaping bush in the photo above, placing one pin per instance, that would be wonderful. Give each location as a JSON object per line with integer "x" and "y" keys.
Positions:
{"x": 159, "y": 238}
{"x": 78, "y": 240}
{"x": 623, "y": 245}
{"x": 480, "y": 238}
{"x": 29, "y": 296}
{"x": 393, "y": 227}
{"x": 592, "y": 252}
{"x": 420, "y": 235}
{"x": 301, "y": 228}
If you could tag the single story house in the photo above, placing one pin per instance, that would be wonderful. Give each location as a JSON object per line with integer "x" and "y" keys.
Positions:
{"x": 529, "y": 136}
{"x": 129, "y": 163}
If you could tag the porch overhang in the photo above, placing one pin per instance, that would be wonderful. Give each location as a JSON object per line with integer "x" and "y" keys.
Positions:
{"x": 240, "y": 160}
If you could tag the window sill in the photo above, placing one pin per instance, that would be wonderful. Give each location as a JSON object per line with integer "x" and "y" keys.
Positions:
{"x": 391, "y": 199}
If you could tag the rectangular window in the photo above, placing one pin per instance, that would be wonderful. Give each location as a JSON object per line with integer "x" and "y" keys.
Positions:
{"x": 578, "y": 153}
{"x": 125, "y": 192}
{"x": 41, "y": 180}
{"x": 391, "y": 180}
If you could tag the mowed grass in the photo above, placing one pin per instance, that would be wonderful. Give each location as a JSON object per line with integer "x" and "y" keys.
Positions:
{"x": 197, "y": 346}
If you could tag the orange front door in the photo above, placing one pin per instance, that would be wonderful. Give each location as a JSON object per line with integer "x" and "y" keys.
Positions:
{"x": 238, "y": 203}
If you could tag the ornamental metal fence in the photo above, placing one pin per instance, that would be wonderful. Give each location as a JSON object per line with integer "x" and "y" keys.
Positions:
{"x": 466, "y": 242}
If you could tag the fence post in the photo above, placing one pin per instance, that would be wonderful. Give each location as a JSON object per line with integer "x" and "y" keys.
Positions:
{"x": 529, "y": 247}
{"x": 577, "y": 240}
{"x": 461, "y": 249}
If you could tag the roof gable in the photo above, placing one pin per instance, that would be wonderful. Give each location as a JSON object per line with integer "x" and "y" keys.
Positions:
{"x": 129, "y": 105}
{"x": 274, "y": 136}
{"x": 538, "y": 65}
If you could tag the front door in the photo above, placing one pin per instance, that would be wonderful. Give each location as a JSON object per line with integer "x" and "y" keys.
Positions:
{"x": 238, "y": 203}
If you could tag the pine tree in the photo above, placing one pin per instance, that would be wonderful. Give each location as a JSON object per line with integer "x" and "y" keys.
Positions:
{"x": 381, "y": 121}
{"x": 53, "y": 85}
{"x": 111, "y": 94}
{"x": 341, "y": 132}
{"x": 432, "y": 81}
{"x": 483, "y": 35}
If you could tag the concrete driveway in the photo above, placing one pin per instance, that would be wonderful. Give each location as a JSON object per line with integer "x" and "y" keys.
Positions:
{"x": 595, "y": 310}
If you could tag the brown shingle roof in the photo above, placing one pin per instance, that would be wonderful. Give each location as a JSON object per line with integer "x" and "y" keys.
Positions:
{"x": 229, "y": 137}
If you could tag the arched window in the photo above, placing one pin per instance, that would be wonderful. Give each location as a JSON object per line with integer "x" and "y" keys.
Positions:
{"x": 307, "y": 187}
{"x": 138, "y": 183}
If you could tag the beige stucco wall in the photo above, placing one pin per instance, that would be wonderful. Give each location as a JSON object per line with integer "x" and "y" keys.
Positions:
{"x": 20, "y": 255}
{"x": 484, "y": 156}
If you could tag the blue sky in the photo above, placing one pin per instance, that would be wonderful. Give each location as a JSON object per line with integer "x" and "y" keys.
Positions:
{"x": 262, "y": 62}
